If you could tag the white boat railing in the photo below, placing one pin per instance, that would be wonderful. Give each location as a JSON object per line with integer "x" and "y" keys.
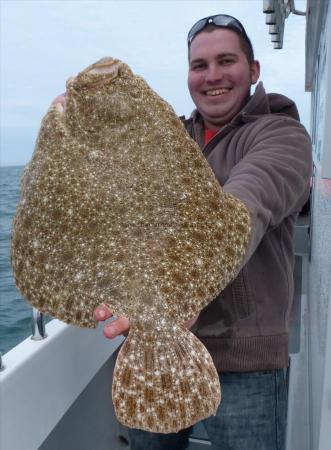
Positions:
{"x": 42, "y": 378}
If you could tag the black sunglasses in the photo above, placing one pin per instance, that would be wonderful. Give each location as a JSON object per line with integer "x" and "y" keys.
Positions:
{"x": 219, "y": 20}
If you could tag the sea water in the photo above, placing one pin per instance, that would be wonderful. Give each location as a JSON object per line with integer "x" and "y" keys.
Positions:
{"x": 15, "y": 312}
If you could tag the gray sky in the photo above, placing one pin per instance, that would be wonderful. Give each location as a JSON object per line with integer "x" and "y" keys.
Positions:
{"x": 43, "y": 42}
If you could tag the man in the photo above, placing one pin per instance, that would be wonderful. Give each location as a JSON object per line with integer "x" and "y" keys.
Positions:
{"x": 261, "y": 154}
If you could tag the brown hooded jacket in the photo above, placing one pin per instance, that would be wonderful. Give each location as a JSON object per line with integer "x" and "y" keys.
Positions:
{"x": 263, "y": 157}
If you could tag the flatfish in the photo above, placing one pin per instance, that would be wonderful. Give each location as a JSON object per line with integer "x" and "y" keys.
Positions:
{"x": 119, "y": 207}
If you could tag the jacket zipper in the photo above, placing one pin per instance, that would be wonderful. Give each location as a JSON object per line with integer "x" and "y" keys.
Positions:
{"x": 206, "y": 150}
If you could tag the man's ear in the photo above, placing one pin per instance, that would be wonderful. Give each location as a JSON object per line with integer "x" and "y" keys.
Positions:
{"x": 255, "y": 71}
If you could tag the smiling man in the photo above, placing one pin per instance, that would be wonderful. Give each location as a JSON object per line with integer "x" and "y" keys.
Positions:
{"x": 261, "y": 154}
{"x": 220, "y": 75}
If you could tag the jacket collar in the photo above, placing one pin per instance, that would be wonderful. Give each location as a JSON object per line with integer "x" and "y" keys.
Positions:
{"x": 258, "y": 104}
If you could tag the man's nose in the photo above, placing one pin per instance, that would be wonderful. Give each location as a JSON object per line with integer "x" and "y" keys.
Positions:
{"x": 214, "y": 73}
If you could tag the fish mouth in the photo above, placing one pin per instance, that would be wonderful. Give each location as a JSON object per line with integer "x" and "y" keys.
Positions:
{"x": 100, "y": 73}
{"x": 105, "y": 66}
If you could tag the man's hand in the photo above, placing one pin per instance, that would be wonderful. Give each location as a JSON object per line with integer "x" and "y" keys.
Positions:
{"x": 120, "y": 325}
{"x": 60, "y": 99}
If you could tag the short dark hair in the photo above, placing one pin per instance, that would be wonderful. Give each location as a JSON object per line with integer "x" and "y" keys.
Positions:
{"x": 245, "y": 42}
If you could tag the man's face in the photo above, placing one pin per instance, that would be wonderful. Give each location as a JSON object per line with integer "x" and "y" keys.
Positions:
{"x": 220, "y": 76}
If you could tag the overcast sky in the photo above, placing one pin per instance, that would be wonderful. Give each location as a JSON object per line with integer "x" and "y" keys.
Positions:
{"x": 43, "y": 42}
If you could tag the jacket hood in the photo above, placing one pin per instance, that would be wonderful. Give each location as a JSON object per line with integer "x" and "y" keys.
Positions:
{"x": 262, "y": 103}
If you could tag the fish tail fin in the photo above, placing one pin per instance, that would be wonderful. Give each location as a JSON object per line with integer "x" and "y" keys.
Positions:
{"x": 164, "y": 379}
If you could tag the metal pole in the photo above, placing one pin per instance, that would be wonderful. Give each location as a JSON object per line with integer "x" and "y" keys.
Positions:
{"x": 38, "y": 325}
{"x": 1, "y": 366}
{"x": 295, "y": 11}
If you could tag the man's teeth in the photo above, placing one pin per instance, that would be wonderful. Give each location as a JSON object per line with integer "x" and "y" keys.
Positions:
{"x": 217, "y": 92}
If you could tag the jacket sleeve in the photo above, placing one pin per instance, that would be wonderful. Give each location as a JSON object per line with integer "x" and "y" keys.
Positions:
{"x": 273, "y": 177}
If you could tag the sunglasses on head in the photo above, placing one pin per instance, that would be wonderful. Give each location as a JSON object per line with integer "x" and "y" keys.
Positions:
{"x": 219, "y": 20}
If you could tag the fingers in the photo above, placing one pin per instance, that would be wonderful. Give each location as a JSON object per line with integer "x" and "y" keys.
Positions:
{"x": 102, "y": 312}
{"x": 191, "y": 322}
{"x": 118, "y": 326}
{"x": 60, "y": 99}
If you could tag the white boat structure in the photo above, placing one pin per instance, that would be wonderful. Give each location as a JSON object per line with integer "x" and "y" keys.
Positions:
{"x": 55, "y": 391}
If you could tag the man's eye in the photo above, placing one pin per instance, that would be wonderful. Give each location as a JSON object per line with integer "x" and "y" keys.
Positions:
{"x": 198, "y": 66}
{"x": 227, "y": 61}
